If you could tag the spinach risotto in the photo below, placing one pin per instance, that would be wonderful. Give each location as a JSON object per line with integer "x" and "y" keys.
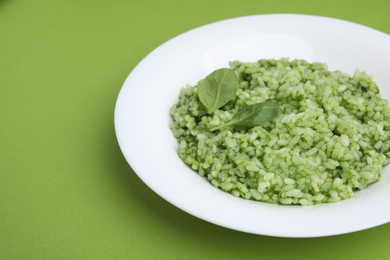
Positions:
{"x": 282, "y": 131}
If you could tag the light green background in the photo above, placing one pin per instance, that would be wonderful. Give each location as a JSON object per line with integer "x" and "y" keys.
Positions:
{"x": 66, "y": 191}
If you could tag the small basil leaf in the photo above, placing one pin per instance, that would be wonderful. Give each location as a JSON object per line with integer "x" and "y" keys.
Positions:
{"x": 217, "y": 89}
{"x": 253, "y": 115}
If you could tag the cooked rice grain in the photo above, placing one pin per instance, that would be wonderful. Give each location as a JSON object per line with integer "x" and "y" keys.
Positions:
{"x": 331, "y": 140}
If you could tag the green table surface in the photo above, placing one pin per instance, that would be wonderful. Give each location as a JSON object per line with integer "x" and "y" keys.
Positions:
{"x": 66, "y": 191}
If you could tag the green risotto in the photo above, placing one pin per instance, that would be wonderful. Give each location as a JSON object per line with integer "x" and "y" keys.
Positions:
{"x": 285, "y": 132}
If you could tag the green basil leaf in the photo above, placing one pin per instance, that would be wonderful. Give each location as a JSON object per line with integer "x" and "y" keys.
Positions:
{"x": 253, "y": 115}
{"x": 217, "y": 89}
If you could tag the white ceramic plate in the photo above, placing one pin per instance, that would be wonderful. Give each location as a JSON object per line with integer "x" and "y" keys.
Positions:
{"x": 142, "y": 117}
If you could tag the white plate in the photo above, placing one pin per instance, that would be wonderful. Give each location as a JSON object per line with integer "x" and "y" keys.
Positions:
{"x": 142, "y": 117}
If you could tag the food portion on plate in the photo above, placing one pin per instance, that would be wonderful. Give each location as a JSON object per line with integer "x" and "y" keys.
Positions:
{"x": 284, "y": 131}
